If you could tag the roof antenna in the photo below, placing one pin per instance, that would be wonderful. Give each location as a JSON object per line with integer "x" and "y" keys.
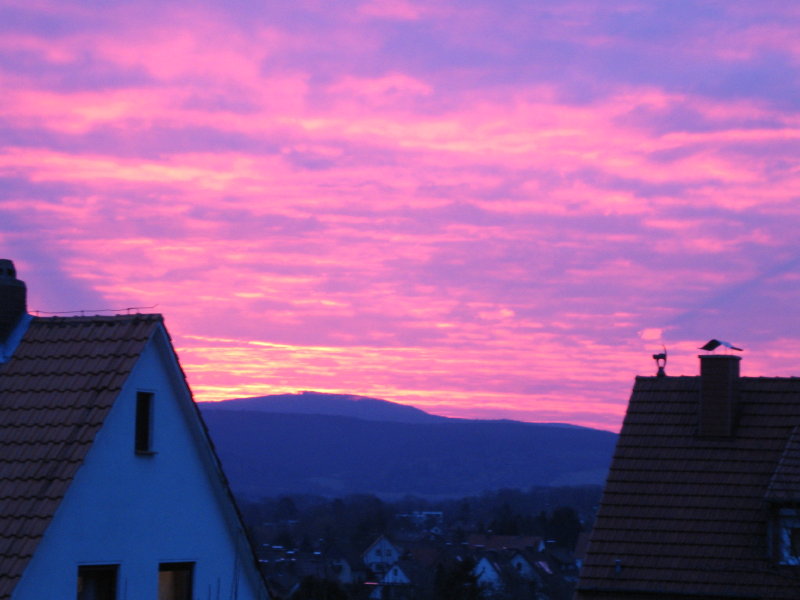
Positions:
{"x": 661, "y": 362}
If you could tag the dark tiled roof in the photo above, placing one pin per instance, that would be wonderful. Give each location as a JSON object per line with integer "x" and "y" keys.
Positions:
{"x": 785, "y": 483}
{"x": 54, "y": 396}
{"x": 687, "y": 516}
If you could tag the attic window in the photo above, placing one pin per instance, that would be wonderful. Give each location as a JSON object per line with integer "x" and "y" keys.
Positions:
{"x": 789, "y": 537}
{"x": 175, "y": 581}
{"x": 97, "y": 582}
{"x": 143, "y": 442}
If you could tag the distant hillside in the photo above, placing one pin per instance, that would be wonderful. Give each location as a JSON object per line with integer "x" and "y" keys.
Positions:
{"x": 267, "y": 453}
{"x": 317, "y": 403}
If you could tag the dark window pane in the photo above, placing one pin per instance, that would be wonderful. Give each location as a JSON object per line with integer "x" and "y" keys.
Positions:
{"x": 175, "y": 581}
{"x": 97, "y": 582}
{"x": 794, "y": 540}
{"x": 144, "y": 426}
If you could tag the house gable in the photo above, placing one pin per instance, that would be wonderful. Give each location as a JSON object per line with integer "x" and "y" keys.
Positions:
{"x": 522, "y": 566}
{"x": 381, "y": 555}
{"x": 54, "y": 396}
{"x": 139, "y": 510}
{"x": 487, "y": 574}
{"x": 395, "y": 576}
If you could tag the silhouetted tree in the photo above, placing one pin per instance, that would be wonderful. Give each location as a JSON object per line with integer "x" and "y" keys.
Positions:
{"x": 286, "y": 509}
{"x": 284, "y": 539}
{"x": 314, "y": 588}
{"x": 457, "y": 581}
{"x": 564, "y": 527}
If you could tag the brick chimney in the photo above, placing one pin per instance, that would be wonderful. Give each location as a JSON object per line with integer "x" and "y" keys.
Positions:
{"x": 719, "y": 394}
{"x": 13, "y": 299}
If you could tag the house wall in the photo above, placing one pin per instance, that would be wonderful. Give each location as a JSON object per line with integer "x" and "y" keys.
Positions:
{"x": 396, "y": 576}
{"x": 487, "y": 575}
{"x": 381, "y": 555}
{"x": 522, "y": 566}
{"x": 137, "y": 511}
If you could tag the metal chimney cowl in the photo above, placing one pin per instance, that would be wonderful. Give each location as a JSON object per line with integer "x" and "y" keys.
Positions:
{"x": 13, "y": 299}
{"x": 719, "y": 395}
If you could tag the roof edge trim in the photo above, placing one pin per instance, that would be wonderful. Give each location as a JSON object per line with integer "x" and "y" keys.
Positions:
{"x": 8, "y": 346}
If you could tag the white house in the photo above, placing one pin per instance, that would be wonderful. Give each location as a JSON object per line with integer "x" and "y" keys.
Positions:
{"x": 109, "y": 485}
{"x": 381, "y": 555}
{"x": 522, "y": 566}
{"x": 489, "y": 576}
{"x": 393, "y": 578}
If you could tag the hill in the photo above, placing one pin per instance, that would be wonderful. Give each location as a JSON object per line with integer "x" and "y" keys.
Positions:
{"x": 268, "y": 453}
{"x": 318, "y": 403}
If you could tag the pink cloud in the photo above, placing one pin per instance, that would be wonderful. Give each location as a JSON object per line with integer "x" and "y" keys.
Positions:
{"x": 477, "y": 213}
{"x": 402, "y": 10}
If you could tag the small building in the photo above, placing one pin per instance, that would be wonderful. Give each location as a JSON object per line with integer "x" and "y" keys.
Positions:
{"x": 395, "y": 585}
{"x": 703, "y": 496}
{"x": 507, "y": 574}
{"x": 109, "y": 485}
{"x": 381, "y": 555}
{"x": 506, "y": 542}
{"x": 489, "y": 576}
{"x": 523, "y": 562}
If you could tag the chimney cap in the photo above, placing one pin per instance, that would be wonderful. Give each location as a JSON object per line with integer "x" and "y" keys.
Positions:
{"x": 712, "y": 345}
{"x": 13, "y": 304}
{"x": 7, "y": 269}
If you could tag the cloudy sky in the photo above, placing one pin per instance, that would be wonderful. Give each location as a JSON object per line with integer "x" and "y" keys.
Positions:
{"x": 484, "y": 208}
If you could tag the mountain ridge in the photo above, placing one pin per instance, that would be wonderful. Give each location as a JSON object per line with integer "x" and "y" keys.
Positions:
{"x": 267, "y": 453}
{"x": 323, "y": 403}
{"x": 347, "y": 405}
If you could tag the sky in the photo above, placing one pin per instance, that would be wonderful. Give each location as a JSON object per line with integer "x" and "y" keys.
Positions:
{"x": 483, "y": 208}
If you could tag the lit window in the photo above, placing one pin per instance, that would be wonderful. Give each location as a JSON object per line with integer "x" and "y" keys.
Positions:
{"x": 144, "y": 422}
{"x": 97, "y": 582}
{"x": 175, "y": 581}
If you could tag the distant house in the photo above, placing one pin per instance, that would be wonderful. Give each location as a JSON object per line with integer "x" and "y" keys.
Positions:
{"x": 523, "y": 564}
{"x": 431, "y": 521}
{"x": 394, "y": 584}
{"x": 508, "y": 574}
{"x": 488, "y": 575}
{"x": 506, "y": 542}
{"x": 703, "y": 496}
{"x": 381, "y": 555}
{"x": 109, "y": 486}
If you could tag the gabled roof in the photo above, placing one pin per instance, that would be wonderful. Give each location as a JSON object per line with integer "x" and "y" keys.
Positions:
{"x": 55, "y": 394}
{"x": 687, "y": 516}
{"x": 382, "y": 541}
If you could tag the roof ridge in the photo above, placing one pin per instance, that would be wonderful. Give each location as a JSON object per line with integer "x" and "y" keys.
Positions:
{"x": 688, "y": 377}
{"x": 89, "y": 318}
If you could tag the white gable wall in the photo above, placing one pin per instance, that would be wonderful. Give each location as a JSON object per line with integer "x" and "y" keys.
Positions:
{"x": 487, "y": 575}
{"x": 138, "y": 511}
{"x": 396, "y": 576}
{"x": 381, "y": 555}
